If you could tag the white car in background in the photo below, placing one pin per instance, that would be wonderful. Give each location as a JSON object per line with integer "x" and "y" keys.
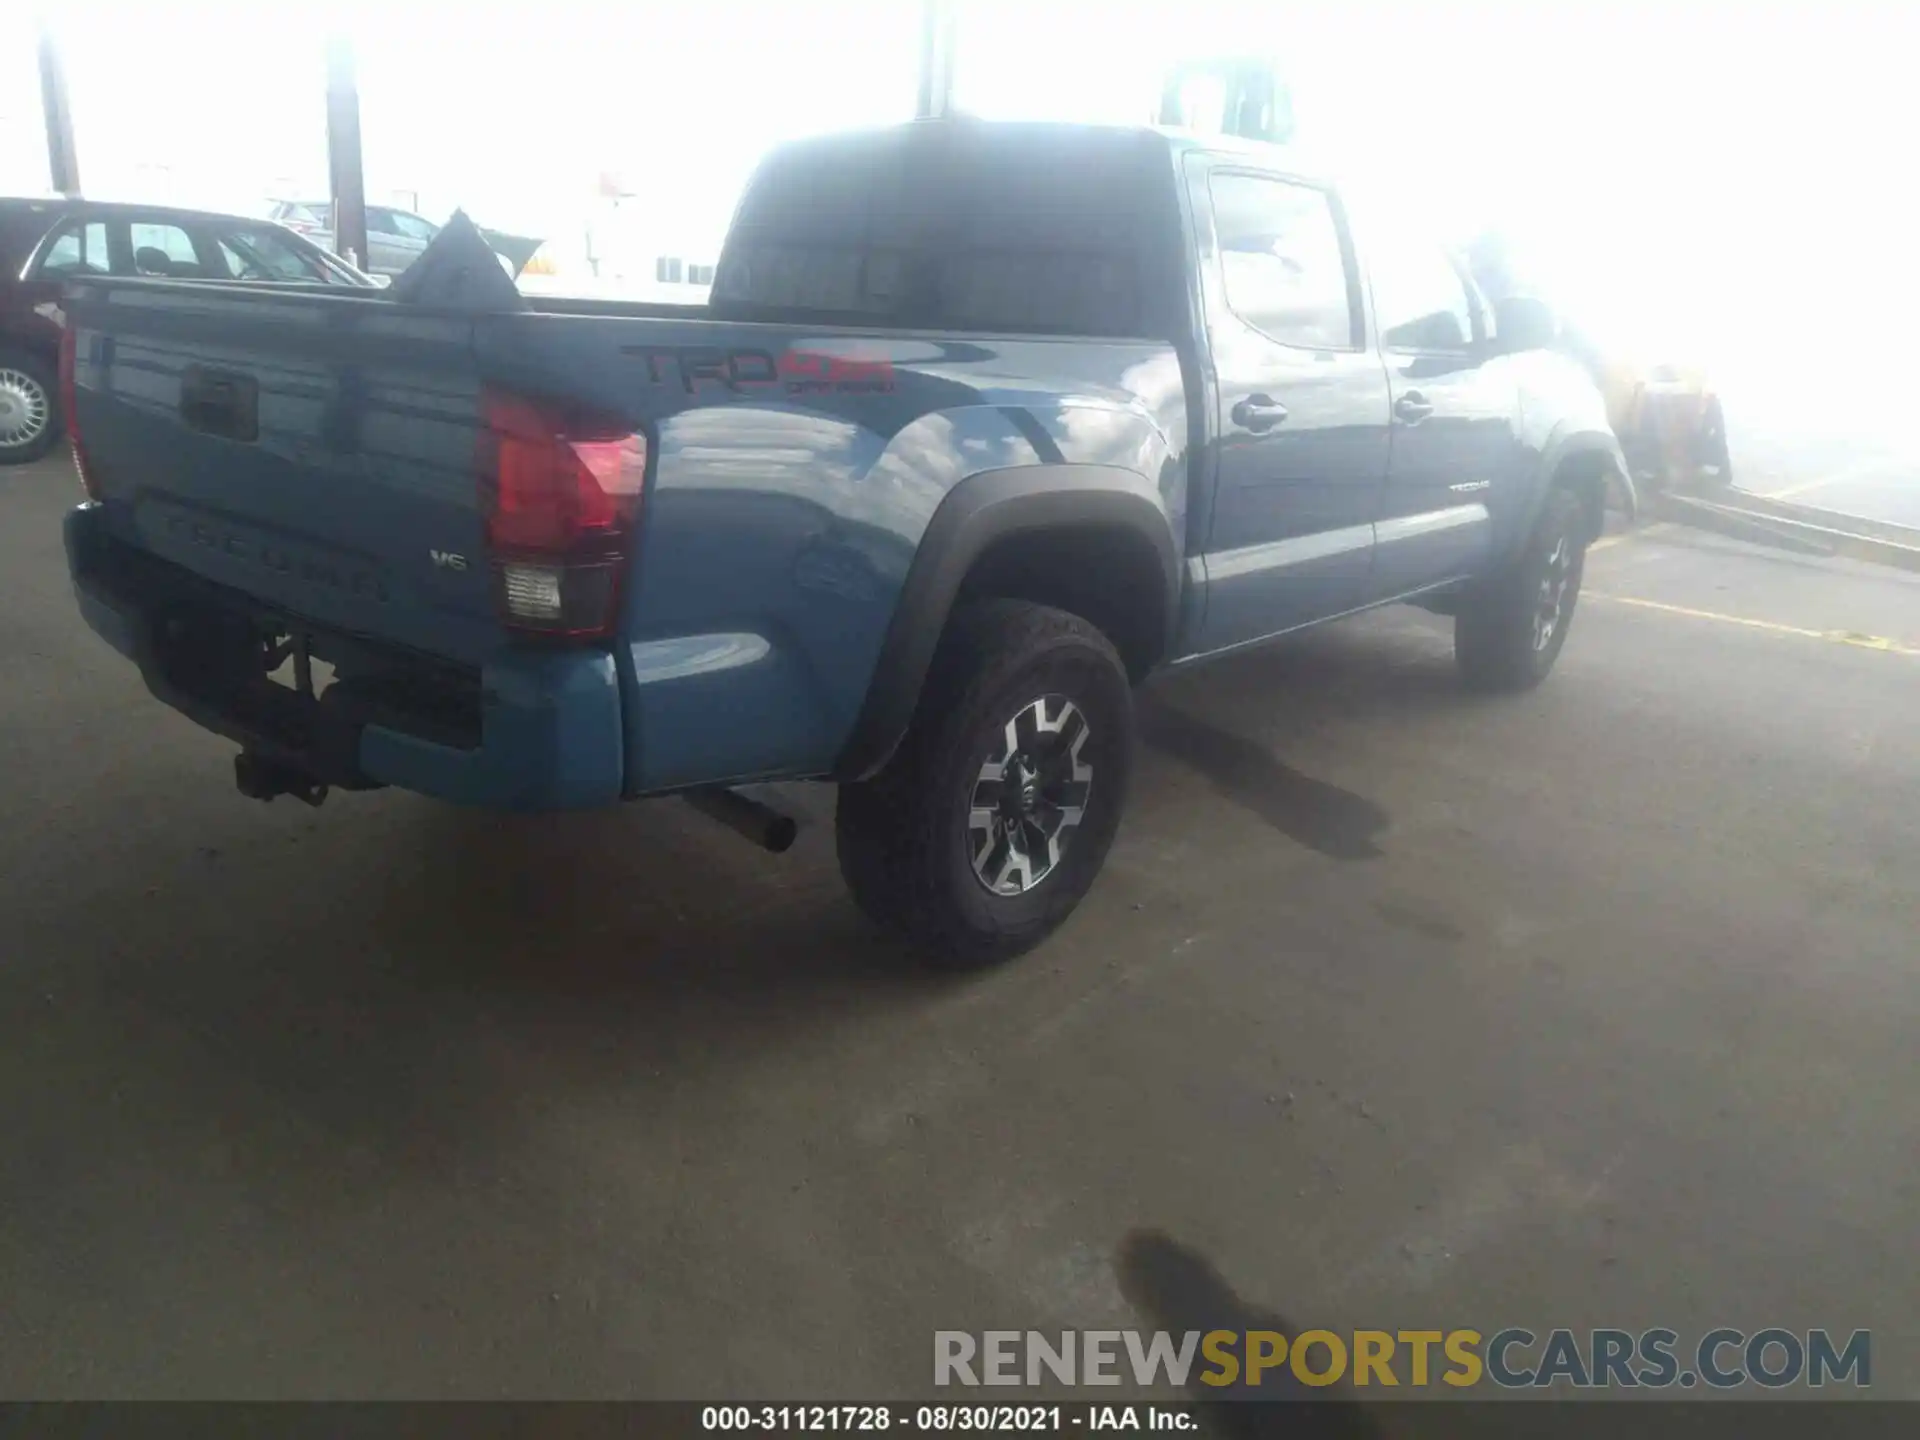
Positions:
{"x": 396, "y": 238}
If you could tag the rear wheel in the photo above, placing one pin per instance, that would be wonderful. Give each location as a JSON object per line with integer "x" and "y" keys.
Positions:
{"x": 1511, "y": 626}
{"x": 29, "y": 411}
{"x": 991, "y": 821}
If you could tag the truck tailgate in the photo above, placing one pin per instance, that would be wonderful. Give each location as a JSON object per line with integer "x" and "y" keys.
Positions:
{"x": 315, "y": 452}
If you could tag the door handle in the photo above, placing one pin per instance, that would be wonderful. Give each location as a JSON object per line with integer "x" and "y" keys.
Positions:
{"x": 1258, "y": 412}
{"x": 1413, "y": 407}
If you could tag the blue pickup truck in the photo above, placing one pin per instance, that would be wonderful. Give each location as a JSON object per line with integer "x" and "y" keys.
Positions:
{"x": 983, "y": 425}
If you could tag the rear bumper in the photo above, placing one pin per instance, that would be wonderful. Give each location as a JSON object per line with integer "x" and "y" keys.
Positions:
{"x": 545, "y": 731}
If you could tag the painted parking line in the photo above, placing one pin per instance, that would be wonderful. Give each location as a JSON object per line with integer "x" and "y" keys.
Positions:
{"x": 1802, "y": 487}
{"x": 1837, "y": 637}
{"x": 1608, "y": 541}
{"x": 1857, "y": 471}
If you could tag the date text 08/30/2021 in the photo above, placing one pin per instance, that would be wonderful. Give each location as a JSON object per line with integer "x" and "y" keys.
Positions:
{"x": 944, "y": 1419}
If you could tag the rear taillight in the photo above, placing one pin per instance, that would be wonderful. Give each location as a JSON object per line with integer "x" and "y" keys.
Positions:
{"x": 69, "y": 410}
{"x": 561, "y": 496}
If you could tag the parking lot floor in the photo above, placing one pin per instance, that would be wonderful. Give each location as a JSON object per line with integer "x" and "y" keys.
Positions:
{"x": 1398, "y": 1007}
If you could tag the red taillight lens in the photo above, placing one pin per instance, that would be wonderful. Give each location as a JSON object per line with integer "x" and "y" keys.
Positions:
{"x": 561, "y": 493}
{"x": 69, "y": 410}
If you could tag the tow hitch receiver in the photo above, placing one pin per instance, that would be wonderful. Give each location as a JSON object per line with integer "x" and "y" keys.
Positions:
{"x": 259, "y": 778}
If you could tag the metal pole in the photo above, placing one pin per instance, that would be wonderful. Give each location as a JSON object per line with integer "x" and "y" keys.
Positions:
{"x": 937, "y": 43}
{"x": 63, "y": 160}
{"x": 343, "y": 153}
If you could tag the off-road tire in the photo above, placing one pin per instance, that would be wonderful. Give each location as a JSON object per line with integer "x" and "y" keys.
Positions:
{"x": 1497, "y": 632}
{"x": 905, "y": 843}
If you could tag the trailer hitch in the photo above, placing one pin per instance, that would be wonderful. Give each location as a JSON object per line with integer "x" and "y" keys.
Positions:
{"x": 260, "y": 778}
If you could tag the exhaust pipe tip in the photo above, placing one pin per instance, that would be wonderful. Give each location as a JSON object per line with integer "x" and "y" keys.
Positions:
{"x": 772, "y": 830}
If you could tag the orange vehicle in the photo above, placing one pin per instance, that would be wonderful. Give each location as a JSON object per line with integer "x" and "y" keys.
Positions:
{"x": 1667, "y": 417}
{"x": 1669, "y": 422}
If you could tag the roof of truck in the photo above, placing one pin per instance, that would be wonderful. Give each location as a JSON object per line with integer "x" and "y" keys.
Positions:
{"x": 1292, "y": 158}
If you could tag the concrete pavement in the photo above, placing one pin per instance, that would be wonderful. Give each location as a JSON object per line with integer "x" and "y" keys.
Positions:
{"x": 1827, "y": 465}
{"x": 1401, "y": 1008}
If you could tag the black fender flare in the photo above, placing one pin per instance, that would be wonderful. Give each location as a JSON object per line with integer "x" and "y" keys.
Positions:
{"x": 976, "y": 513}
{"x": 1564, "y": 445}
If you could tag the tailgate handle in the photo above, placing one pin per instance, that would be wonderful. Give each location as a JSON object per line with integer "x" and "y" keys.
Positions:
{"x": 220, "y": 402}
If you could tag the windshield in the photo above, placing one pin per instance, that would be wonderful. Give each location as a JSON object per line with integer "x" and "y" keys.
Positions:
{"x": 263, "y": 254}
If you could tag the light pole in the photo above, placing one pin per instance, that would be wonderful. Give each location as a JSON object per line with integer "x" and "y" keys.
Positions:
{"x": 63, "y": 161}
{"x": 938, "y": 28}
{"x": 344, "y": 167}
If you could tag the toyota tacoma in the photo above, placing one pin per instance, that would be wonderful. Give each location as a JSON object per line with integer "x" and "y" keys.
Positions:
{"x": 984, "y": 425}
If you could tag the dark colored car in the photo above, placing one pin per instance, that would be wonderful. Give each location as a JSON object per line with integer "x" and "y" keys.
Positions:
{"x": 45, "y": 243}
{"x": 983, "y": 425}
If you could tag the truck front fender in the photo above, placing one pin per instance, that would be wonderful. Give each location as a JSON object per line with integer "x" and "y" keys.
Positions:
{"x": 1579, "y": 445}
{"x": 976, "y": 515}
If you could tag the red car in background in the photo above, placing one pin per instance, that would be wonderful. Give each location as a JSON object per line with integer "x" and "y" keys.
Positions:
{"x": 45, "y": 242}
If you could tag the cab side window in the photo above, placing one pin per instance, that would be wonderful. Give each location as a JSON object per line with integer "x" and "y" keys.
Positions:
{"x": 1281, "y": 261}
{"x": 1420, "y": 301}
{"x": 163, "y": 249}
{"x": 411, "y": 227}
{"x": 79, "y": 249}
{"x": 383, "y": 221}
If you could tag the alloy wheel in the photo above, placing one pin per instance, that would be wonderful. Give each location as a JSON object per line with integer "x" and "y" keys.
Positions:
{"x": 25, "y": 410}
{"x": 1030, "y": 796}
{"x": 1551, "y": 613}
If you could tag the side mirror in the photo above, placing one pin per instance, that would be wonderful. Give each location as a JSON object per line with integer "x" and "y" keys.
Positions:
{"x": 1521, "y": 323}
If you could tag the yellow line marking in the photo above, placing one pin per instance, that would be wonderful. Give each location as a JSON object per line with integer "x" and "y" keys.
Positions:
{"x": 1838, "y": 637}
{"x": 1819, "y": 482}
{"x": 1801, "y": 487}
{"x": 1606, "y": 541}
